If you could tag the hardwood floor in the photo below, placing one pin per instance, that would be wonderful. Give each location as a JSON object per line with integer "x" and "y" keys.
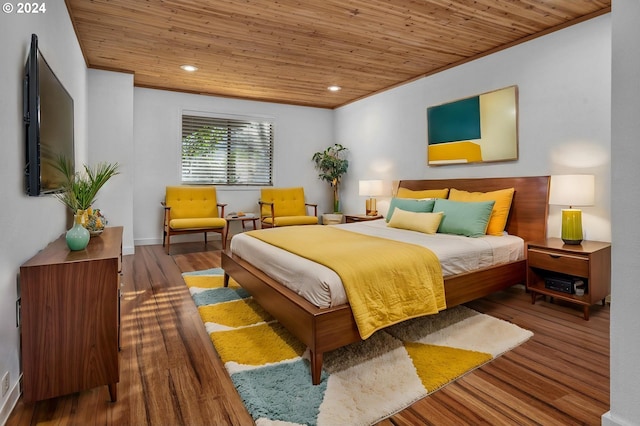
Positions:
{"x": 170, "y": 374}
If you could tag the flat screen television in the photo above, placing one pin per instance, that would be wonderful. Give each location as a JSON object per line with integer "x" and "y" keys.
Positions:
{"x": 48, "y": 120}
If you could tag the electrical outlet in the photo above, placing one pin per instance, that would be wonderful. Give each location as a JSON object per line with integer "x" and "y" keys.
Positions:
{"x": 5, "y": 384}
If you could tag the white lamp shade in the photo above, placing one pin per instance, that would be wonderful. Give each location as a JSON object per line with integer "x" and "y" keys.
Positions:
{"x": 370, "y": 188}
{"x": 572, "y": 190}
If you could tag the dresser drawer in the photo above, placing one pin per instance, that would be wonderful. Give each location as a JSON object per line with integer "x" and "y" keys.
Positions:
{"x": 570, "y": 264}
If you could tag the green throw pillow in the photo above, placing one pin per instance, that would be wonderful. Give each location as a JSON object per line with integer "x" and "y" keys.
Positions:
{"x": 464, "y": 218}
{"x": 410, "y": 205}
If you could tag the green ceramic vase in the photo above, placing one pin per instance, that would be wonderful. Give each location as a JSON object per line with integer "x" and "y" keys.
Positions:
{"x": 78, "y": 235}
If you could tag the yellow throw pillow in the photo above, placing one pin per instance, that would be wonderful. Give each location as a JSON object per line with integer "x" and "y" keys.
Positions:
{"x": 425, "y": 193}
{"x": 500, "y": 212}
{"x": 422, "y": 222}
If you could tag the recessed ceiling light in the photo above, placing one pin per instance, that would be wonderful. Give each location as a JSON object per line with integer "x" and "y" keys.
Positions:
{"x": 189, "y": 68}
{"x": 334, "y": 88}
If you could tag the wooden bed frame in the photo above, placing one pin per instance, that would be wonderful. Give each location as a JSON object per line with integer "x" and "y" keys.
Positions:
{"x": 326, "y": 329}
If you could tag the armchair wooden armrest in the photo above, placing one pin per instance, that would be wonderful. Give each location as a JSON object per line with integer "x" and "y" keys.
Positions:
{"x": 266, "y": 203}
{"x": 222, "y": 206}
{"x": 315, "y": 208}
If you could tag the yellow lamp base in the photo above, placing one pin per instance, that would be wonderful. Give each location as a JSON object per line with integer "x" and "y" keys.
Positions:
{"x": 572, "y": 226}
{"x": 371, "y": 207}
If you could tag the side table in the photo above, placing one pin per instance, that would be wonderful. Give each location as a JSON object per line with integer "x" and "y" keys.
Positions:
{"x": 244, "y": 220}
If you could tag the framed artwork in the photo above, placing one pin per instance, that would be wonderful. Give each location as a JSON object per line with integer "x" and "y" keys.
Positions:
{"x": 478, "y": 129}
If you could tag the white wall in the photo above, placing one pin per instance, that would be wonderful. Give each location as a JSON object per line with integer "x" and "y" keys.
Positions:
{"x": 28, "y": 223}
{"x": 625, "y": 176}
{"x": 111, "y": 140}
{"x": 564, "y": 83}
{"x": 299, "y": 132}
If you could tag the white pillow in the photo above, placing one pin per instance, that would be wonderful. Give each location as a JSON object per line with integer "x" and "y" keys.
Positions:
{"x": 426, "y": 223}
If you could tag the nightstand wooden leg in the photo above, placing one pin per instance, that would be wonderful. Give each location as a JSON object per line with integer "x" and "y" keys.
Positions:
{"x": 586, "y": 313}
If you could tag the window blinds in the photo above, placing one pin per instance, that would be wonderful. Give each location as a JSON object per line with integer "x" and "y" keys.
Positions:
{"x": 224, "y": 151}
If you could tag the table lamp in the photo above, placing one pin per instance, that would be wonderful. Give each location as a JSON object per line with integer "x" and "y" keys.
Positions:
{"x": 371, "y": 189}
{"x": 572, "y": 190}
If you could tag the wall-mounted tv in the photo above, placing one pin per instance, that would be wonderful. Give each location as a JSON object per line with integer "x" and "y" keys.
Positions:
{"x": 48, "y": 119}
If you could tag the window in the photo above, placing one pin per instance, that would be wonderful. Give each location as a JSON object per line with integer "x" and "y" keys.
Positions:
{"x": 225, "y": 151}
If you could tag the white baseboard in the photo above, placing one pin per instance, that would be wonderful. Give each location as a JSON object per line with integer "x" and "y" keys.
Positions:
{"x": 10, "y": 402}
{"x": 147, "y": 241}
{"x": 213, "y": 236}
{"x": 608, "y": 420}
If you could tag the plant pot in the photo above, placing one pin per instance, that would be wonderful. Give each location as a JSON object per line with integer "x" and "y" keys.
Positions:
{"x": 78, "y": 236}
{"x": 332, "y": 218}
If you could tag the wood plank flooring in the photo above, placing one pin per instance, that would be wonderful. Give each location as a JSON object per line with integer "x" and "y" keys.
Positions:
{"x": 170, "y": 374}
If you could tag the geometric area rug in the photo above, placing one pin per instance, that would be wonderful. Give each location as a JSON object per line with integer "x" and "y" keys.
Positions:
{"x": 361, "y": 383}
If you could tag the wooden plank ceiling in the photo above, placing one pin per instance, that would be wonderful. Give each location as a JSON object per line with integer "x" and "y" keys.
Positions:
{"x": 290, "y": 51}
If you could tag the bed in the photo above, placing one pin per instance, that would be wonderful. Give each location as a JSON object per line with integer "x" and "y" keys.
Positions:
{"x": 326, "y": 329}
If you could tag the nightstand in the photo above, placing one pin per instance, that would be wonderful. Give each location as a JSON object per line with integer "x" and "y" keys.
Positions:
{"x": 553, "y": 267}
{"x": 353, "y": 218}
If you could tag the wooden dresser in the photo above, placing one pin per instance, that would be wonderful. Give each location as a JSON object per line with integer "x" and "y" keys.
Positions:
{"x": 70, "y": 317}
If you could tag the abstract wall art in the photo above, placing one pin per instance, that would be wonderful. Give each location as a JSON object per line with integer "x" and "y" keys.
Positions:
{"x": 478, "y": 129}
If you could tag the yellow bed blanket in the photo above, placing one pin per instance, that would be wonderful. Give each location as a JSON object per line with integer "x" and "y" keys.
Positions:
{"x": 386, "y": 281}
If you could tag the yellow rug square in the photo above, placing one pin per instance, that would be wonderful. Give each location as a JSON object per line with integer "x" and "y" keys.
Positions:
{"x": 438, "y": 365}
{"x": 257, "y": 345}
{"x": 208, "y": 281}
{"x": 237, "y": 313}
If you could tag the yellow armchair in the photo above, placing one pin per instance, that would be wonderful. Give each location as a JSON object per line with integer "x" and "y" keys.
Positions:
{"x": 193, "y": 209}
{"x": 285, "y": 207}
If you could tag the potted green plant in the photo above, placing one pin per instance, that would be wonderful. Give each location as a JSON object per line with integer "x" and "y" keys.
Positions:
{"x": 79, "y": 191}
{"x": 332, "y": 164}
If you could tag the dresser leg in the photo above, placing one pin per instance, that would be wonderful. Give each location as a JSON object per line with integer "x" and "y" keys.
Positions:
{"x": 113, "y": 391}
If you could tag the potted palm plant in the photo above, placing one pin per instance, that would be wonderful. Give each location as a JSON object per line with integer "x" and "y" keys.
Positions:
{"x": 332, "y": 164}
{"x": 79, "y": 191}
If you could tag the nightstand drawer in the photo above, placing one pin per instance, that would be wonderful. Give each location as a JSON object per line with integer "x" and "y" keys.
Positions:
{"x": 569, "y": 264}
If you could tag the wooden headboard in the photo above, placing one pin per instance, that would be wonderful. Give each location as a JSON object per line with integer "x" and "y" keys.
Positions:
{"x": 529, "y": 208}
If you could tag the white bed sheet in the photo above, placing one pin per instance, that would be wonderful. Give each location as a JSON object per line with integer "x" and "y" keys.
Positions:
{"x": 322, "y": 286}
